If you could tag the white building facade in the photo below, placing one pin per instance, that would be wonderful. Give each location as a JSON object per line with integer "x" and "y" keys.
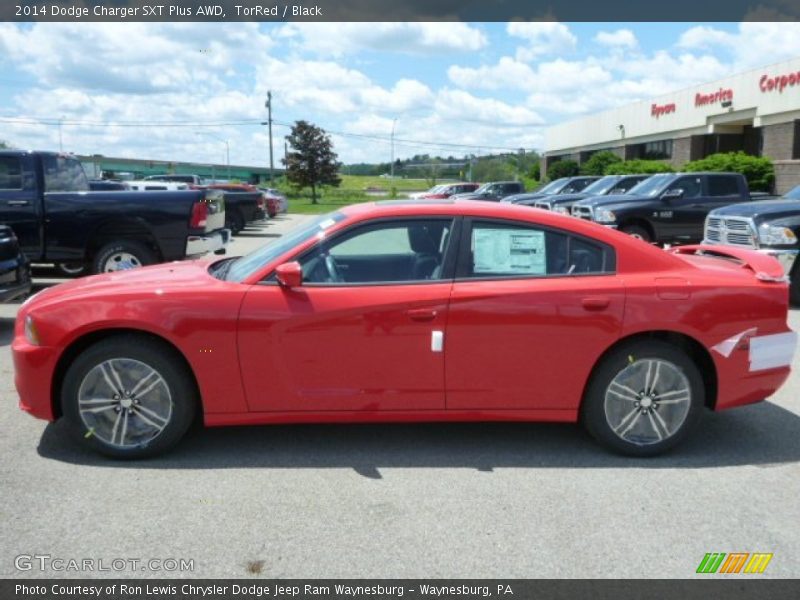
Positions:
{"x": 757, "y": 112}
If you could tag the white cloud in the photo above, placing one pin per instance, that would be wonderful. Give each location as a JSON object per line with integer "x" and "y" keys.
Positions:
{"x": 508, "y": 73}
{"x": 621, "y": 38}
{"x": 337, "y": 39}
{"x": 543, "y": 38}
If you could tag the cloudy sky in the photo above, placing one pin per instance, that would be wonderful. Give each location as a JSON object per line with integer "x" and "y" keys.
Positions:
{"x": 174, "y": 91}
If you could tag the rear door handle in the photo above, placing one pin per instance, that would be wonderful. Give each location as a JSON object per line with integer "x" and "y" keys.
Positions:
{"x": 18, "y": 203}
{"x": 596, "y": 302}
{"x": 421, "y": 314}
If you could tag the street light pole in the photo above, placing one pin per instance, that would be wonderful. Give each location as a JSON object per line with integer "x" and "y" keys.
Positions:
{"x": 391, "y": 167}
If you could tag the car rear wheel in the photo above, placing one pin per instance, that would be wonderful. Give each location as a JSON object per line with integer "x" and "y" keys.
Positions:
{"x": 121, "y": 256}
{"x": 637, "y": 231}
{"x": 643, "y": 398}
{"x": 128, "y": 397}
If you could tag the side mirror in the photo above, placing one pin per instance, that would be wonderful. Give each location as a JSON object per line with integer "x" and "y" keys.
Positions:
{"x": 290, "y": 275}
{"x": 672, "y": 194}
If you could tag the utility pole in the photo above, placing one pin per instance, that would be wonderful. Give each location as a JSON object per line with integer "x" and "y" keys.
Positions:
{"x": 268, "y": 105}
{"x": 391, "y": 168}
{"x": 60, "y": 139}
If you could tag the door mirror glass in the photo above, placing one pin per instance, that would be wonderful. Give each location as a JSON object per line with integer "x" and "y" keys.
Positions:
{"x": 290, "y": 274}
{"x": 672, "y": 194}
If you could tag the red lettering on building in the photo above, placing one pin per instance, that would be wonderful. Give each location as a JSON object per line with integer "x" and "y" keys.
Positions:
{"x": 657, "y": 110}
{"x": 778, "y": 82}
{"x": 721, "y": 95}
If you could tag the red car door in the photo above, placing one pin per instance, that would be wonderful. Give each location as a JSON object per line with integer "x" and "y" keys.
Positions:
{"x": 363, "y": 332}
{"x": 530, "y": 313}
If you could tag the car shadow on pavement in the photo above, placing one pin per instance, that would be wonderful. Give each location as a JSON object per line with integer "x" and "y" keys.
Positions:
{"x": 761, "y": 435}
{"x": 6, "y": 331}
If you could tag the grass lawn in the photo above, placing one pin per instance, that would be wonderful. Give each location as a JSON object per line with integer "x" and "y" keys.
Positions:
{"x": 362, "y": 182}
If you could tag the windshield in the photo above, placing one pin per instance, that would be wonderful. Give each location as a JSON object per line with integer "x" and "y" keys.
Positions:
{"x": 793, "y": 194}
{"x": 553, "y": 187}
{"x": 436, "y": 189}
{"x": 652, "y": 186}
{"x": 601, "y": 186}
{"x": 241, "y": 268}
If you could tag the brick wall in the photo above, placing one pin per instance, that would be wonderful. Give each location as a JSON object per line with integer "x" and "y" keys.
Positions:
{"x": 787, "y": 175}
{"x": 778, "y": 141}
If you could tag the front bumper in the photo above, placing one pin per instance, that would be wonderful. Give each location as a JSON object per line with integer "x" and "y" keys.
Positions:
{"x": 197, "y": 245}
{"x": 787, "y": 258}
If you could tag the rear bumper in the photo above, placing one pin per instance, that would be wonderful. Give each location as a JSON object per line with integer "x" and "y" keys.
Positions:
{"x": 15, "y": 279}
{"x": 197, "y": 245}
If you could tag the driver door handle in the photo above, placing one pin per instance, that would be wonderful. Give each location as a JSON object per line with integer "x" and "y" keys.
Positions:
{"x": 18, "y": 203}
{"x": 421, "y": 314}
{"x": 595, "y": 302}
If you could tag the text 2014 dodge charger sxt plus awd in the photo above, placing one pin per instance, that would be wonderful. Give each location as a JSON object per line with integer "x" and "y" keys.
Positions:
{"x": 412, "y": 311}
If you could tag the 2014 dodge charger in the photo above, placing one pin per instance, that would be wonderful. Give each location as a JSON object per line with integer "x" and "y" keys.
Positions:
{"x": 412, "y": 311}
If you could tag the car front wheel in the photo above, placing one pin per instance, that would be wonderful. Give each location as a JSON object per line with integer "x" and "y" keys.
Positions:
{"x": 128, "y": 397}
{"x": 643, "y": 398}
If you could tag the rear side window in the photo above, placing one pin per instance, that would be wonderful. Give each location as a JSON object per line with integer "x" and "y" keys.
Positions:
{"x": 10, "y": 173}
{"x": 720, "y": 185}
{"x": 514, "y": 250}
{"x": 63, "y": 174}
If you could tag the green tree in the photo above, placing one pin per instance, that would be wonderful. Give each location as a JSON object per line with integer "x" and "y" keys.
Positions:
{"x": 492, "y": 169}
{"x": 635, "y": 167}
{"x": 4, "y": 144}
{"x": 599, "y": 162}
{"x": 311, "y": 161}
{"x": 562, "y": 168}
{"x": 759, "y": 171}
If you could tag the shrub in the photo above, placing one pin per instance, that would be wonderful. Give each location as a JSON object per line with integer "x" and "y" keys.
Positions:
{"x": 599, "y": 162}
{"x": 759, "y": 171}
{"x": 562, "y": 168}
{"x": 633, "y": 167}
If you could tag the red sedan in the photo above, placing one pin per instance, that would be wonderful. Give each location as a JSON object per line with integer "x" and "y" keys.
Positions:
{"x": 412, "y": 311}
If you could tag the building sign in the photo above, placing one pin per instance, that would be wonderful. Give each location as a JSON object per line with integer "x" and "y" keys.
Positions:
{"x": 779, "y": 82}
{"x": 721, "y": 95}
{"x": 657, "y": 110}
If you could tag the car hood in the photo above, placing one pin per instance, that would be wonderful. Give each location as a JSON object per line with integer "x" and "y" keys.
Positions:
{"x": 519, "y": 198}
{"x": 158, "y": 279}
{"x": 564, "y": 198}
{"x": 470, "y": 196}
{"x": 772, "y": 209}
{"x": 595, "y": 201}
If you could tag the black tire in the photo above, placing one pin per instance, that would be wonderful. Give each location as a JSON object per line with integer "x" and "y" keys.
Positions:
{"x": 234, "y": 221}
{"x": 76, "y": 269}
{"x": 104, "y": 260}
{"x": 794, "y": 286}
{"x": 602, "y": 404}
{"x": 638, "y": 232}
{"x": 129, "y": 349}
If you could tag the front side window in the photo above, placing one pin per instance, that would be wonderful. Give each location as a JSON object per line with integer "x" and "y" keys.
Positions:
{"x": 63, "y": 174}
{"x": 382, "y": 252}
{"x": 516, "y": 250}
{"x": 10, "y": 173}
{"x": 692, "y": 186}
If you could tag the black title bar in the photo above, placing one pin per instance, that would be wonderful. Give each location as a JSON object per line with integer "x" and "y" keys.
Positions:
{"x": 398, "y": 10}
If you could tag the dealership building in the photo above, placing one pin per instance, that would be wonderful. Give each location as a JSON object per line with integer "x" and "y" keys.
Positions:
{"x": 757, "y": 112}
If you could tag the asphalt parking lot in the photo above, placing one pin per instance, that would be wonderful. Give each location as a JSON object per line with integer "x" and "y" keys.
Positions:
{"x": 433, "y": 500}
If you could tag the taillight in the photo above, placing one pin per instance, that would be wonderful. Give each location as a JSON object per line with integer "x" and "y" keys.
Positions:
{"x": 199, "y": 215}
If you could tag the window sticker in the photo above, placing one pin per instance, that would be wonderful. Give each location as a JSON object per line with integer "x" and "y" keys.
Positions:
{"x": 509, "y": 251}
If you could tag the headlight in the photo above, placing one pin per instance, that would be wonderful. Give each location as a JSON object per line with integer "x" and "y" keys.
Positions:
{"x": 604, "y": 216}
{"x": 772, "y": 235}
{"x": 30, "y": 331}
{"x": 562, "y": 210}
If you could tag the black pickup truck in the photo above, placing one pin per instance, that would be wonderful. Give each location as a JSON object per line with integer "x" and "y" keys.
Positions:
{"x": 769, "y": 226}
{"x": 45, "y": 198}
{"x": 563, "y": 185}
{"x": 610, "y": 184}
{"x": 667, "y": 207}
{"x": 15, "y": 271}
{"x": 494, "y": 191}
